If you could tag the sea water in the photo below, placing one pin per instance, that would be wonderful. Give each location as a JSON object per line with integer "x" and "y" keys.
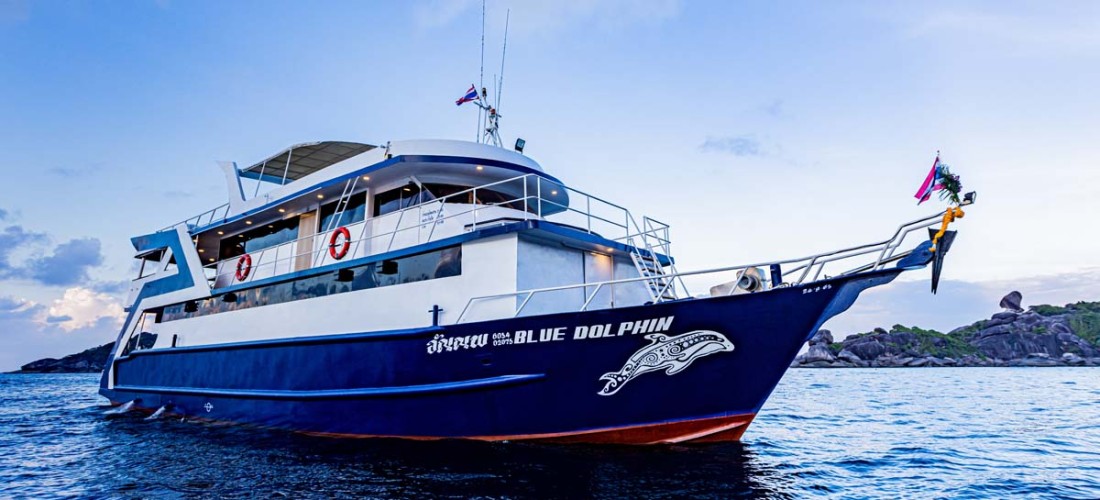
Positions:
{"x": 856, "y": 433}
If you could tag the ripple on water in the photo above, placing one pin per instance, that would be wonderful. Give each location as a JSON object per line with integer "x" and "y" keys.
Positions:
{"x": 965, "y": 433}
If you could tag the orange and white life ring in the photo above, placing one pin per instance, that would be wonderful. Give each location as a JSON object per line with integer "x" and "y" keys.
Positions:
{"x": 244, "y": 267}
{"x": 338, "y": 251}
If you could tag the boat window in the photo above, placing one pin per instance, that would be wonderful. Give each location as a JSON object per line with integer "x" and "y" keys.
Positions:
{"x": 265, "y": 236}
{"x": 411, "y": 195}
{"x": 436, "y": 264}
{"x": 354, "y": 212}
{"x": 396, "y": 199}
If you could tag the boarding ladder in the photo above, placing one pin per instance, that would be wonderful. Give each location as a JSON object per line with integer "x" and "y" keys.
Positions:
{"x": 341, "y": 206}
{"x": 644, "y": 249}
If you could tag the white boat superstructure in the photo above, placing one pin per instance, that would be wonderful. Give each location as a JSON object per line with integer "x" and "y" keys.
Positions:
{"x": 418, "y": 214}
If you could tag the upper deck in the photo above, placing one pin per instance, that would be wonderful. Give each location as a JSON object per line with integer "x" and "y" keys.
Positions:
{"x": 395, "y": 198}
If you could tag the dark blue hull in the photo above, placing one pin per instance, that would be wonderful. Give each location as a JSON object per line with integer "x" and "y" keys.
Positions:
{"x": 689, "y": 370}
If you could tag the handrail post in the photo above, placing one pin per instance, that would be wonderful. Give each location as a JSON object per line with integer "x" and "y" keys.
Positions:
{"x": 524, "y": 304}
{"x": 588, "y": 212}
{"x": 591, "y": 297}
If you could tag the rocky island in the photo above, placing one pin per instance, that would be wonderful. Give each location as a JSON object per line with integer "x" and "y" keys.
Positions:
{"x": 1042, "y": 335}
{"x": 89, "y": 361}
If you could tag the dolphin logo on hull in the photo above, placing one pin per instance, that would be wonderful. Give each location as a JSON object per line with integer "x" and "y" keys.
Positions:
{"x": 671, "y": 354}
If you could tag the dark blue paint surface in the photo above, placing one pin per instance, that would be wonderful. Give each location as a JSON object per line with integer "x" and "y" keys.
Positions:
{"x": 560, "y": 393}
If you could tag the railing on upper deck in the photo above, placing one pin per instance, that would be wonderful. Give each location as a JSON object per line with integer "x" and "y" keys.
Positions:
{"x": 540, "y": 199}
{"x": 212, "y": 216}
{"x": 772, "y": 275}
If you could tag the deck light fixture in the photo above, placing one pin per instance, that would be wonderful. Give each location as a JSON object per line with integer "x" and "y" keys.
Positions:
{"x": 282, "y": 210}
{"x": 554, "y": 193}
{"x": 320, "y": 197}
{"x": 211, "y": 259}
{"x": 366, "y": 177}
{"x": 248, "y": 222}
{"x": 480, "y": 168}
{"x": 202, "y": 251}
{"x": 221, "y": 233}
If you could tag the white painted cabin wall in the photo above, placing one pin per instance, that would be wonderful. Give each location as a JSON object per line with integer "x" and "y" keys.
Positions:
{"x": 488, "y": 267}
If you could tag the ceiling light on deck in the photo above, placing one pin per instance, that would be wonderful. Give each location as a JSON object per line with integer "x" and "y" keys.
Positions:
{"x": 554, "y": 193}
{"x": 320, "y": 197}
{"x": 609, "y": 249}
{"x": 211, "y": 259}
{"x": 366, "y": 177}
{"x": 221, "y": 233}
{"x": 202, "y": 251}
{"x": 480, "y": 168}
{"x": 248, "y": 222}
{"x": 282, "y": 210}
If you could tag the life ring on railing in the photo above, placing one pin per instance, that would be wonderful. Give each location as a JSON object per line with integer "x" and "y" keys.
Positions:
{"x": 339, "y": 251}
{"x": 244, "y": 267}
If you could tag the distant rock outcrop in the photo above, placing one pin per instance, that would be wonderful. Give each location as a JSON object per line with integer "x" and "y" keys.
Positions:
{"x": 1040, "y": 336}
{"x": 1011, "y": 302}
{"x": 89, "y": 361}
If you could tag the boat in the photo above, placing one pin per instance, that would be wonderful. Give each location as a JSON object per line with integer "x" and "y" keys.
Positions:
{"x": 441, "y": 289}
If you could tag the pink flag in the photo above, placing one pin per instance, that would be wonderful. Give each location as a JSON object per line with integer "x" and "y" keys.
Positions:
{"x": 929, "y": 185}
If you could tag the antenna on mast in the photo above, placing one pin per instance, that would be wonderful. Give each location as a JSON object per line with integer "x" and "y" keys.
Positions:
{"x": 503, "y": 54}
{"x": 481, "y": 77}
{"x": 490, "y": 132}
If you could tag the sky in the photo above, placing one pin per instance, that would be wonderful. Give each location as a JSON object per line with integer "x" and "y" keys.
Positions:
{"x": 757, "y": 130}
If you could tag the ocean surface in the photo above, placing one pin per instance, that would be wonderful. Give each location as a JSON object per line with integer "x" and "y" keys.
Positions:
{"x": 854, "y": 433}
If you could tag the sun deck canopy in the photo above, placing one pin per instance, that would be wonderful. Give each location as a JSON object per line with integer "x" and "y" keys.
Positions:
{"x": 303, "y": 159}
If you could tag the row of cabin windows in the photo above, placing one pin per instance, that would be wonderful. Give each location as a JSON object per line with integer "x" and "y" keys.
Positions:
{"x": 413, "y": 194}
{"x": 436, "y": 264}
{"x": 410, "y": 195}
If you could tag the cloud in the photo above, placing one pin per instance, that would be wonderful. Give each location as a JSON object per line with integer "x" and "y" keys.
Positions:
{"x": 736, "y": 145}
{"x": 82, "y": 307}
{"x": 111, "y": 287}
{"x": 31, "y": 331}
{"x": 17, "y": 308}
{"x": 13, "y": 238}
{"x": 69, "y": 263}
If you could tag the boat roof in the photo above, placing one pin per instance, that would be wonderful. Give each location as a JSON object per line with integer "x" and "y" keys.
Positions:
{"x": 303, "y": 159}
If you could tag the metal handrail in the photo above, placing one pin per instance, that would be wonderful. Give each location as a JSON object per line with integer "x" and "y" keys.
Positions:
{"x": 887, "y": 247}
{"x": 197, "y": 221}
{"x": 436, "y": 205}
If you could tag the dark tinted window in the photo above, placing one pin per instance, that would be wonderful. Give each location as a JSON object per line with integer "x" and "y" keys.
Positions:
{"x": 441, "y": 263}
{"x": 261, "y": 237}
{"x": 354, "y": 212}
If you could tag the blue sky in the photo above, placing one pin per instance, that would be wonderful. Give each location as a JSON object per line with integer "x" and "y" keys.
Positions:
{"x": 759, "y": 130}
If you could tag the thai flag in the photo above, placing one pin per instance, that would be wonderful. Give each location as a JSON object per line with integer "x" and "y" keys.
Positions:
{"x": 931, "y": 183}
{"x": 471, "y": 95}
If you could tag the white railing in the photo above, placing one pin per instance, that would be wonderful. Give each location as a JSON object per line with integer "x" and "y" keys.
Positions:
{"x": 212, "y": 216}
{"x": 536, "y": 198}
{"x": 804, "y": 270}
